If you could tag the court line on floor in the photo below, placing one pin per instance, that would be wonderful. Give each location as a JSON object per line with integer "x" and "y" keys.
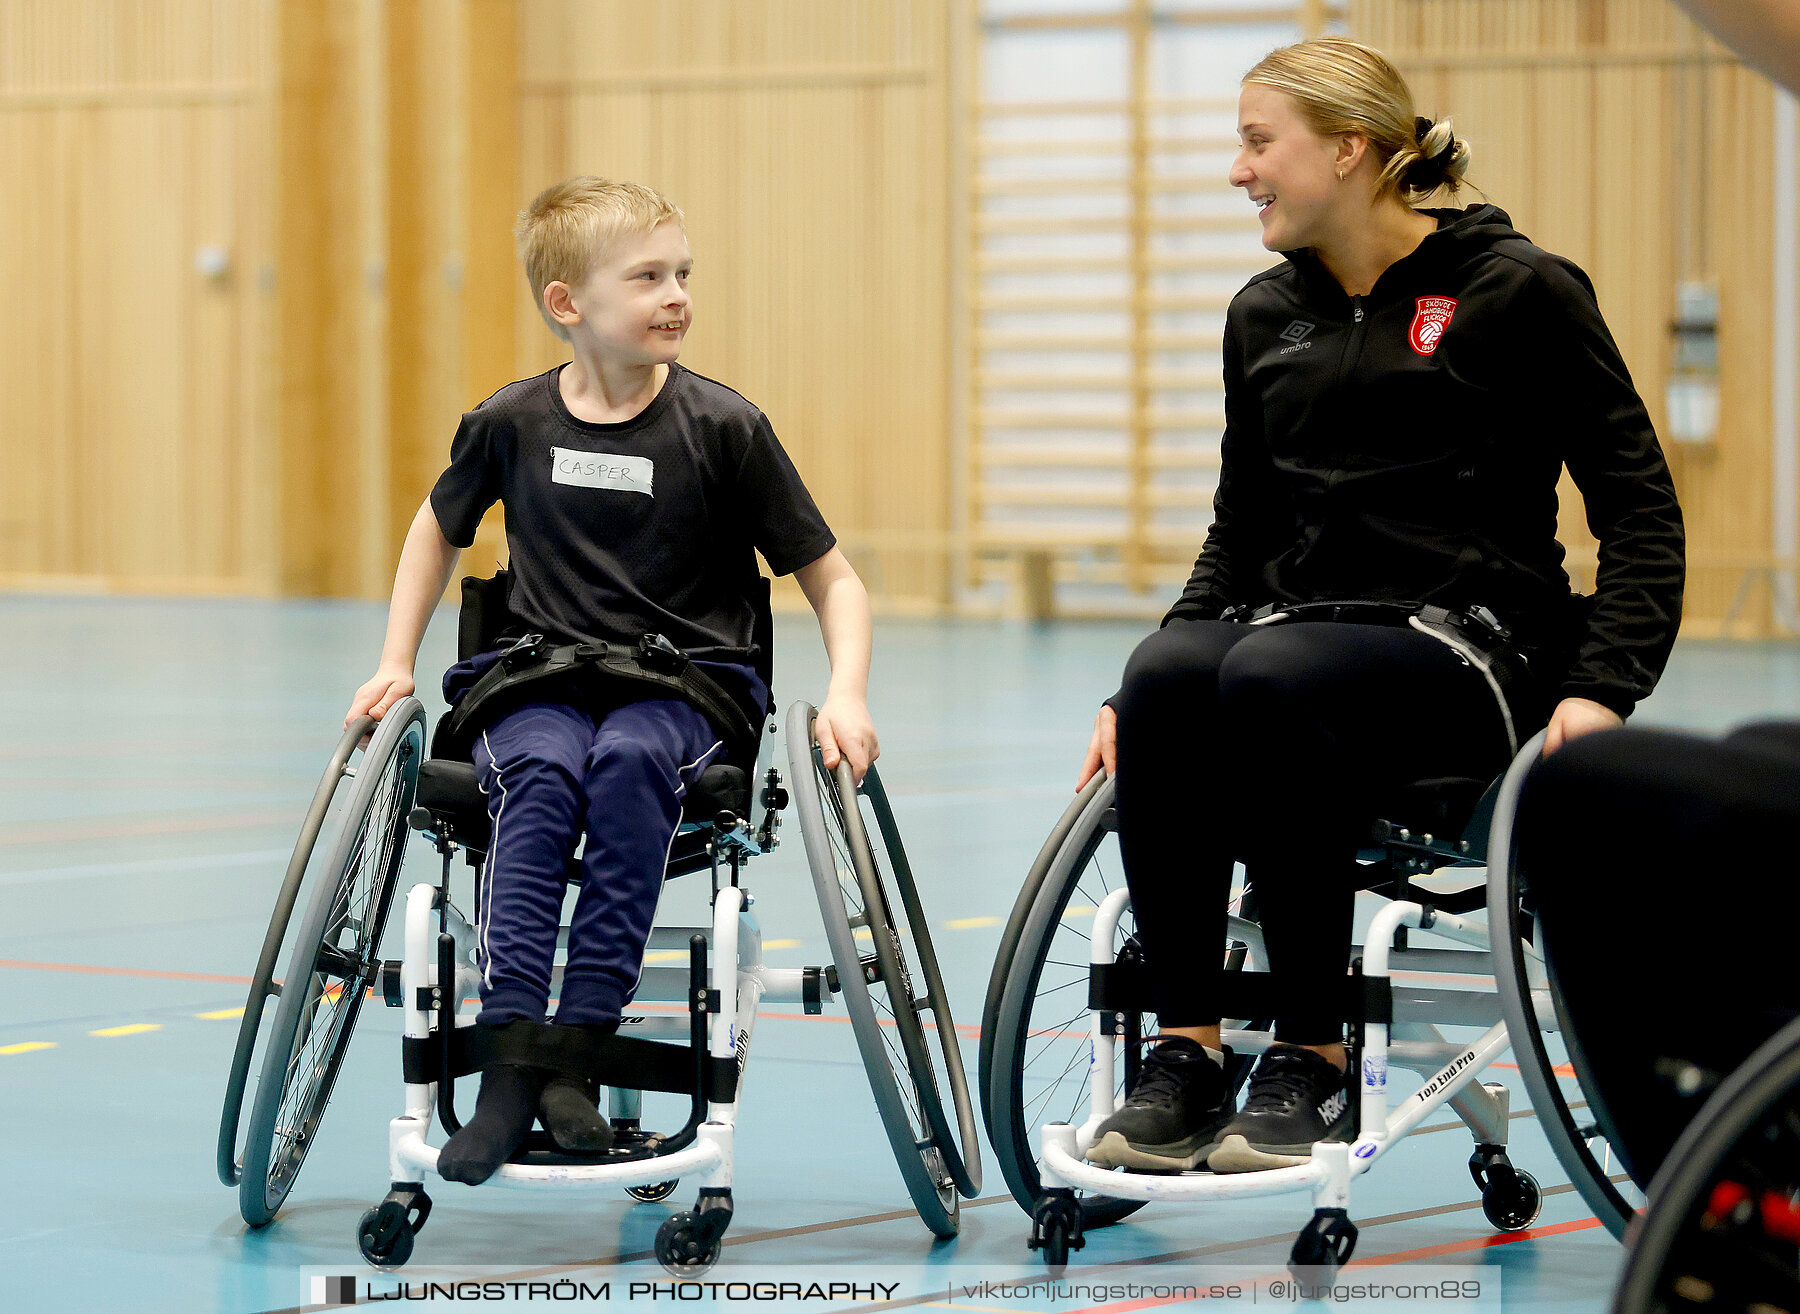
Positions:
{"x": 144, "y": 866}
{"x": 79, "y": 829}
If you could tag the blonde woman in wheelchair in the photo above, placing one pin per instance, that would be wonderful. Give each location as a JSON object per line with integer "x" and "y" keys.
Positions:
{"x": 1381, "y": 598}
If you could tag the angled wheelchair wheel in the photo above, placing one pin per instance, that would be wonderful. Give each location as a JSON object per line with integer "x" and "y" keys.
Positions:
{"x": 1578, "y": 1142}
{"x": 337, "y": 782}
{"x": 1723, "y": 1227}
{"x": 1009, "y": 946}
{"x": 888, "y": 975}
{"x": 1036, "y": 1047}
{"x": 334, "y": 962}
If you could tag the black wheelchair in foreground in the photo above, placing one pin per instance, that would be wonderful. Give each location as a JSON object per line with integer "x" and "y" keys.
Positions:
{"x": 1068, "y": 993}
{"x": 347, "y": 865}
{"x": 1698, "y": 1086}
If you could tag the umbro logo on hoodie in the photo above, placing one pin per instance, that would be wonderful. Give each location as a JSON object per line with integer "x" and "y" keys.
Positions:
{"x": 1296, "y": 334}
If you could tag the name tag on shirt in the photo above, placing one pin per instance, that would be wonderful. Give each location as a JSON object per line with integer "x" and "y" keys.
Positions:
{"x": 632, "y": 474}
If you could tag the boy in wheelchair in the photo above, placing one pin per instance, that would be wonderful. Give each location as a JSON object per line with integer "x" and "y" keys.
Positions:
{"x": 635, "y": 492}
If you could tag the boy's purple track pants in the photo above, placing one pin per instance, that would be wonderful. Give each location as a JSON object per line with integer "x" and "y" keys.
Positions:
{"x": 555, "y": 772}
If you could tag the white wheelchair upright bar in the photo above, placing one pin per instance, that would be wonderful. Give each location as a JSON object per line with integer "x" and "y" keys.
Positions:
{"x": 735, "y": 971}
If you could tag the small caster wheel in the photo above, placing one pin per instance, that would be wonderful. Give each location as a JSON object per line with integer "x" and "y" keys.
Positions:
{"x": 1514, "y": 1207}
{"x": 1509, "y": 1196}
{"x": 684, "y": 1248}
{"x": 384, "y": 1236}
{"x": 1323, "y": 1246}
{"x": 1056, "y": 1228}
{"x": 654, "y": 1192}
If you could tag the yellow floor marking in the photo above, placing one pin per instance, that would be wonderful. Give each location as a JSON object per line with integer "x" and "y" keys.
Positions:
{"x": 971, "y": 923}
{"x": 26, "y": 1046}
{"x": 1079, "y": 910}
{"x": 131, "y": 1030}
{"x": 220, "y": 1015}
{"x": 862, "y": 933}
{"x": 681, "y": 955}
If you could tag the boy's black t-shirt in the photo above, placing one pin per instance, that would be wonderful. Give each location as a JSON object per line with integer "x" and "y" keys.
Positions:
{"x": 645, "y": 527}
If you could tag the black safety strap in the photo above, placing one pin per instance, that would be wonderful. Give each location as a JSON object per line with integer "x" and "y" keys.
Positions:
{"x": 656, "y": 669}
{"x": 623, "y": 1061}
{"x": 1475, "y": 628}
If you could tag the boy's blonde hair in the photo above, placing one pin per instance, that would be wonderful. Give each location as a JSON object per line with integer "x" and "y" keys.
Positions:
{"x": 570, "y": 227}
{"x": 1344, "y": 87}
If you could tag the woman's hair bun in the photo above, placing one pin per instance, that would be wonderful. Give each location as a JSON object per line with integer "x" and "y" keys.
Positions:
{"x": 1441, "y": 160}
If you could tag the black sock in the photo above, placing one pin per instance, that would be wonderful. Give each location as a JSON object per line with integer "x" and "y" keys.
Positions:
{"x": 503, "y": 1112}
{"x": 569, "y": 1108}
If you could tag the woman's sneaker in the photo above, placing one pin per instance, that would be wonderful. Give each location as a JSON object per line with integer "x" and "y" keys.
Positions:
{"x": 1172, "y": 1117}
{"x": 1297, "y": 1099}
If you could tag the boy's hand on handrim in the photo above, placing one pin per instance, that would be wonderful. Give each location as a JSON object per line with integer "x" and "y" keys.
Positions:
{"x": 843, "y": 730}
{"x": 387, "y": 687}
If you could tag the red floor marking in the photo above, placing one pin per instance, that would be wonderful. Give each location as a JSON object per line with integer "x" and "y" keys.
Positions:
{"x": 122, "y": 971}
{"x": 1561, "y": 1069}
{"x": 1375, "y": 1261}
{"x": 45, "y": 833}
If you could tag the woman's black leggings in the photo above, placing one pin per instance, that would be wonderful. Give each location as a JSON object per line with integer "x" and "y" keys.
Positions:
{"x": 1277, "y": 745}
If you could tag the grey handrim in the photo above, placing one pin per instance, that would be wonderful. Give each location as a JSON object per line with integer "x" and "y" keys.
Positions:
{"x": 319, "y": 1008}
{"x": 262, "y": 984}
{"x": 1015, "y": 1142}
{"x": 931, "y": 1163}
{"x": 1680, "y": 1190}
{"x": 1505, "y": 941}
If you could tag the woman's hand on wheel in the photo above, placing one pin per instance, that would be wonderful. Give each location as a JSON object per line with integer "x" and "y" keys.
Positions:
{"x": 387, "y": 687}
{"x": 1103, "y": 748}
{"x": 1575, "y": 717}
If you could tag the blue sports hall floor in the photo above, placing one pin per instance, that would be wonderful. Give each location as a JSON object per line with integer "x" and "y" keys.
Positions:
{"x": 157, "y": 757}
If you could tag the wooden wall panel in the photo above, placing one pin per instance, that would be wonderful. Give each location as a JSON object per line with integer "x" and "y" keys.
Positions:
{"x": 1599, "y": 125}
{"x": 124, "y": 135}
{"x": 806, "y": 142}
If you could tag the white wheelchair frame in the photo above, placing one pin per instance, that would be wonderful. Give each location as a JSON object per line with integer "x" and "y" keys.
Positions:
{"x": 1510, "y": 1196}
{"x": 333, "y": 965}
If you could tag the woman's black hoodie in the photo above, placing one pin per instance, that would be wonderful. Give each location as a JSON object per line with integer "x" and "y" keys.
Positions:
{"x": 1406, "y": 446}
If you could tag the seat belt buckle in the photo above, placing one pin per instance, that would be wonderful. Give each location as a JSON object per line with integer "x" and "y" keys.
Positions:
{"x": 657, "y": 653}
{"x": 520, "y": 649}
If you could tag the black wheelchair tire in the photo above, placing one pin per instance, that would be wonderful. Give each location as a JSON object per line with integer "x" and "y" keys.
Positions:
{"x": 1506, "y": 932}
{"x": 1004, "y": 1043}
{"x": 262, "y": 985}
{"x": 938, "y": 1161}
{"x": 1009, "y": 942}
{"x": 282, "y": 1130}
{"x": 1766, "y": 1085}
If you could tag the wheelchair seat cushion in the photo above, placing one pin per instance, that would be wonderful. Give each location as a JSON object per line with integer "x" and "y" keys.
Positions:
{"x": 449, "y": 790}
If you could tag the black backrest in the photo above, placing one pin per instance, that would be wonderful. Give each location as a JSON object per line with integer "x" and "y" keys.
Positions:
{"x": 484, "y": 615}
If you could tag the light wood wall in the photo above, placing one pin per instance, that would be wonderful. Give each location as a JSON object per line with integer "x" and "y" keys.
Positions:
{"x": 361, "y": 162}
{"x": 806, "y": 141}
{"x": 131, "y": 137}
{"x": 1619, "y": 134}
{"x": 271, "y": 425}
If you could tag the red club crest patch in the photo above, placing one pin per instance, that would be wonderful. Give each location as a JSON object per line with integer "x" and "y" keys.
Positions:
{"x": 1429, "y": 324}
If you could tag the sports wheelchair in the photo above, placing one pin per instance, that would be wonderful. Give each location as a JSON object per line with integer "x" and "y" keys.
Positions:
{"x": 883, "y": 969}
{"x": 1701, "y": 1098}
{"x": 1069, "y": 993}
